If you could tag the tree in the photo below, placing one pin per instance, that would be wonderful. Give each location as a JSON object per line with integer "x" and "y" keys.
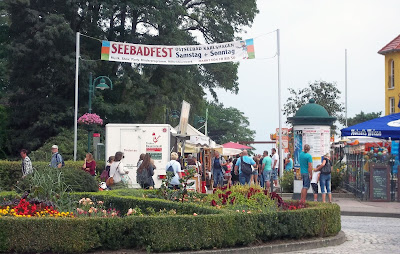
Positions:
{"x": 42, "y": 52}
{"x": 227, "y": 124}
{"x": 361, "y": 117}
{"x": 325, "y": 94}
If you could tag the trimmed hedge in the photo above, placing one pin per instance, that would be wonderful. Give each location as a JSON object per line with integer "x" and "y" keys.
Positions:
{"x": 212, "y": 228}
{"x": 11, "y": 171}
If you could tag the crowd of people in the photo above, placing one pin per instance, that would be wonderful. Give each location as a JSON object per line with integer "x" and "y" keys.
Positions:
{"x": 262, "y": 169}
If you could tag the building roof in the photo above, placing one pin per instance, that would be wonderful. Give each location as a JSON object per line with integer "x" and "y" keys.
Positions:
{"x": 392, "y": 46}
{"x": 312, "y": 114}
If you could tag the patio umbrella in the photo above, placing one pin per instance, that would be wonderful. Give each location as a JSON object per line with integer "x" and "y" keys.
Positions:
{"x": 235, "y": 146}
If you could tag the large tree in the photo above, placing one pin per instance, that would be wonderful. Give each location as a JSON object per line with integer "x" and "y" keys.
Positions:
{"x": 361, "y": 117}
{"x": 325, "y": 94}
{"x": 42, "y": 59}
{"x": 228, "y": 124}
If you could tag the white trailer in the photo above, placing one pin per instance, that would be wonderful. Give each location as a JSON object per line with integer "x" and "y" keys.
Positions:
{"x": 135, "y": 139}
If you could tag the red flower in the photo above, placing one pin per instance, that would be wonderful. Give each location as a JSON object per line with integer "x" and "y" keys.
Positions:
{"x": 213, "y": 203}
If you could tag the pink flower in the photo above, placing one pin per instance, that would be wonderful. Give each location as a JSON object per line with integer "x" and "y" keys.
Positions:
{"x": 195, "y": 214}
{"x": 130, "y": 211}
{"x": 89, "y": 119}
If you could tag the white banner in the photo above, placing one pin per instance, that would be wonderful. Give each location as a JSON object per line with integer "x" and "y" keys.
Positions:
{"x": 177, "y": 55}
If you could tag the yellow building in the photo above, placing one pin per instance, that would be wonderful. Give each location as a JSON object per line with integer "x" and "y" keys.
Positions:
{"x": 392, "y": 75}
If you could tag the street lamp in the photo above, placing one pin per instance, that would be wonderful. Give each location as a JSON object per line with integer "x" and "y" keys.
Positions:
{"x": 102, "y": 86}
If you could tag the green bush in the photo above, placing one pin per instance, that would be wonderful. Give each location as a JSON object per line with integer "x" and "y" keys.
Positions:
{"x": 11, "y": 172}
{"x": 212, "y": 228}
{"x": 337, "y": 175}
{"x": 286, "y": 181}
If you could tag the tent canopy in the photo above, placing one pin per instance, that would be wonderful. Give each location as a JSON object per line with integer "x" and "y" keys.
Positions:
{"x": 235, "y": 146}
{"x": 383, "y": 127}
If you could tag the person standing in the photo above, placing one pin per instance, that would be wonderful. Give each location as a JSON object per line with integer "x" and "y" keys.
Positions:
{"x": 289, "y": 163}
{"x": 26, "y": 163}
{"x": 306, "y": 169}
{"x": 117, "y": 171}
{"x": 275, "y": 166}
{"x": 267, "y": 170}
{"x": 89, "y": 165}
{"x": 325, "y": 178}
{"x": 261, "y": 171}
{"x": 175, "y": 167}
{"x": 216, "y": 165}
{"x": 228, "y": 172}
{"x": 106, "y": 173}
{"x": 314, "y": 183}
{"x": 243, "y": 177}
{"x": 235, "y": 174}
{"x": 145, "y": 173}
{"x": 254, "y": 175}
{"x": 56, "y": 159}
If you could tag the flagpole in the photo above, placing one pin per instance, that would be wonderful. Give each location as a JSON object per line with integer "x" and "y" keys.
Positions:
{"x": 76, "y": 93}
{"x": 278, "y": 53}
{"x": 345, "y": 82}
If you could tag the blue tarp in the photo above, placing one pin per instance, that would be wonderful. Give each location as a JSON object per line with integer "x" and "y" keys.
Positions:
{"x": 383, "y": 127}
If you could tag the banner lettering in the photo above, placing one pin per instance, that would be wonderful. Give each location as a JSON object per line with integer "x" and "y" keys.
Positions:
{"x": 177, "y": 55}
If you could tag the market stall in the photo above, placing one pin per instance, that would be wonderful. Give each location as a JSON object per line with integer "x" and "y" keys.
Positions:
{"x": 372, "y": 158}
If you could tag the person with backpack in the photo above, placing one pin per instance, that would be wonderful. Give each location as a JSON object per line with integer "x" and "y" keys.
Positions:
{"x": 145, "y": 173}
{"x": 56, "y": 159}
{"x": 325, "y": 178}
{"x": 175, "y": 167}
{"x": 243, "y": 166}
{"x": 217, "y": 167}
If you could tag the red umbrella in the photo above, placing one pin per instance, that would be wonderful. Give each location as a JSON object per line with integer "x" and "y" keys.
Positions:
{"x": 236, "y": 146}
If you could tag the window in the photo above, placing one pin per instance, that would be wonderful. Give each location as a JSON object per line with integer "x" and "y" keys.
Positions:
{"x": 392, "y": 105}
{"x": 391, "y": 75}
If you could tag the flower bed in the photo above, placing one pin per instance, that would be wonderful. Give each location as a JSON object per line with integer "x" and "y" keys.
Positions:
{"x": 177, "y": 226}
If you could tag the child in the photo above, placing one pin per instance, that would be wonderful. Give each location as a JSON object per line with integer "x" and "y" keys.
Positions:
{"x": 314, "y": 183}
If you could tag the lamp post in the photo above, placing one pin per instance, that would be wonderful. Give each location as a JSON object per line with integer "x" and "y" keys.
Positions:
{"x": 102, "y": 86}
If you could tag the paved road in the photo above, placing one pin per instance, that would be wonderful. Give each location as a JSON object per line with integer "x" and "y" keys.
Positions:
{"x": 366, "y": 235}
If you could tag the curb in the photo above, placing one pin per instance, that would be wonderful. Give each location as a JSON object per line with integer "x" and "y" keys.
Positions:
{"x": 370, "y": 214}
{"x": 277, "y": 248}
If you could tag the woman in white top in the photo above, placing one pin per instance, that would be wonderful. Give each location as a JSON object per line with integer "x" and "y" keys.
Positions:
{"x": 176, "y": 166}
{"x": 117, "y": 171}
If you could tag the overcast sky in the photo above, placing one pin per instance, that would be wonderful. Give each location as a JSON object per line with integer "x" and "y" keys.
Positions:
{"x": 314, "y": 36}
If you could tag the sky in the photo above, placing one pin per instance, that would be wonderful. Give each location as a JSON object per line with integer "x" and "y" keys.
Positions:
{"x": 313, "y": 37}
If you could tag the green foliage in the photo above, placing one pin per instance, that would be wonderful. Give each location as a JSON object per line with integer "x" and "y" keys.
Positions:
{"x": 286, "y": 182}
{"x": 65, "y": 142}
{"x": 75, "y": 177}
{"x": 337, "y": 175}
{"x": 361, "y": 117}
{"x": 325, "y": 94}
{"x": 179, "y": 194}
{"x": 43, "y": 64}
{"x": 212, "y": 228}
{"x": 242, "y": 197}
{"x": 4, "y": 131}
{"x": 227, "y": 124}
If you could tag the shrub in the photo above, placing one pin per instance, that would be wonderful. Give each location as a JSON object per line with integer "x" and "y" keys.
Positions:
{"x": 337, "y": 175}
{"x": 286, "y": 181}
{"x": 11, "y": 172}
{"x": 213, "y": 228}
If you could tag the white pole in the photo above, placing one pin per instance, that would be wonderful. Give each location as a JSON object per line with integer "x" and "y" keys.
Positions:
{"x": 76, "y": 94}
{"x": 345, "y": 82}
{"x": 278, "y": 53}
{"x": 206, "y": 124}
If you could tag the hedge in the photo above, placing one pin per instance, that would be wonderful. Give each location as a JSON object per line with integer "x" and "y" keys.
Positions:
{"x": 11, "y": 172}
{"x": 212, "y": 228}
